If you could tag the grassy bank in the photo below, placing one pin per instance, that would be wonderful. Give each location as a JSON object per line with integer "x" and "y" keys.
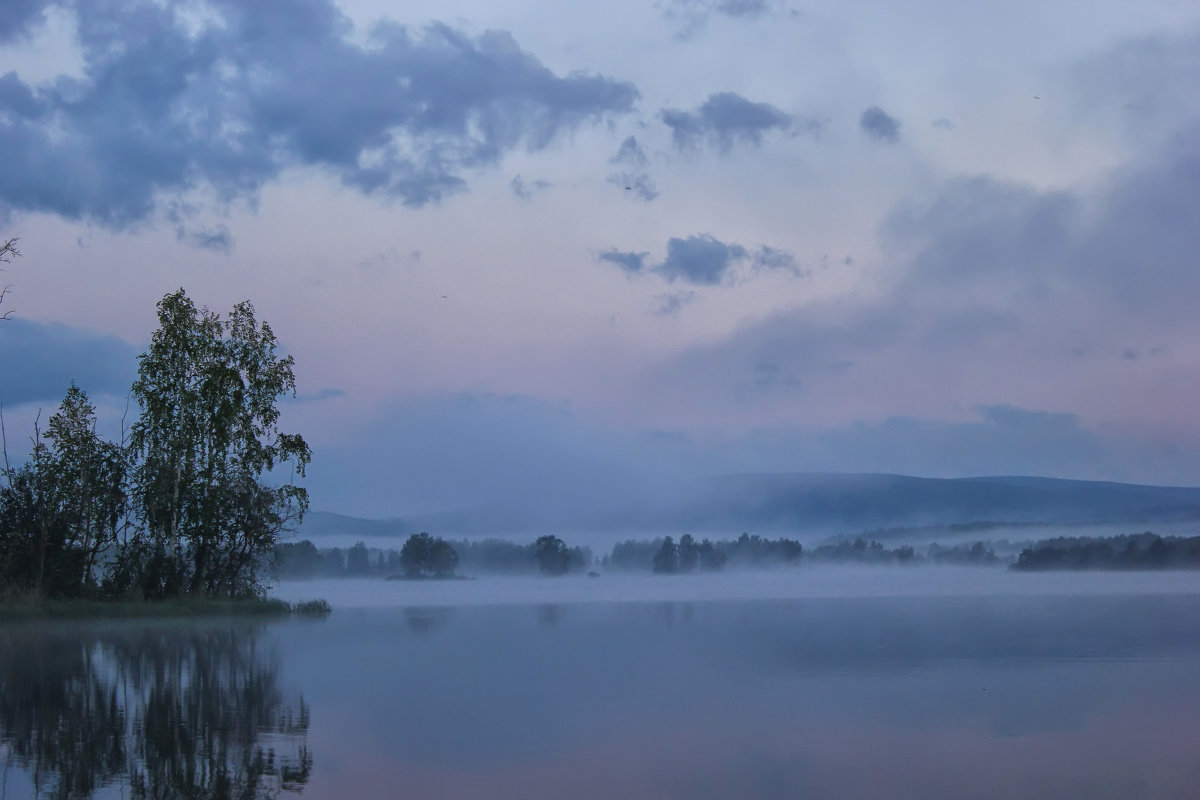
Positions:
{"x": 179, "y": 607}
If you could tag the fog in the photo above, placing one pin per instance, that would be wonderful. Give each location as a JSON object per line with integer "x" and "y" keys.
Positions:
{"x": 832, "y": 681}
{"x": 782, "y": 583}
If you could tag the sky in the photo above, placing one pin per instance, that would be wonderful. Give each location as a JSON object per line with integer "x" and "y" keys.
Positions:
{"x": 532, "y": 250}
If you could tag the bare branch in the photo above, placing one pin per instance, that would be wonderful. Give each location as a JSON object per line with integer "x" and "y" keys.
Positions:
{"x": 8, "y": 251}
{"x": 4, "y": 447}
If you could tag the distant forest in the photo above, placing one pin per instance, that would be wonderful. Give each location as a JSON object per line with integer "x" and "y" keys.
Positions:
{"x": 1141, "y": 551}
{"x": 424, "y": 556}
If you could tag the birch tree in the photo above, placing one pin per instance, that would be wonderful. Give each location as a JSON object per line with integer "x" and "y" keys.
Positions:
{"x": 207, "y": 436}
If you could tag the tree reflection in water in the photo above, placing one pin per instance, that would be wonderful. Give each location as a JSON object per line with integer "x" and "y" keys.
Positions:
{"x": 192, "y": 710}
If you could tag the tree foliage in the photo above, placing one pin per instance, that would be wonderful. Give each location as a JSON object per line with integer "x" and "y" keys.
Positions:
{"x": 553, "y": 556}
{"x": 209, "y": 390}
{"x": 428, "y": 556}
{"x": 61, "y": 509}
{"x": 184, "y": 507}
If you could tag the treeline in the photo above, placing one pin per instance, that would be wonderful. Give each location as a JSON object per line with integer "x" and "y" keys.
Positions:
{"x": 431, "y": 557}
{"x": 550, "y": 555}
{"x": 1134, "y": 552}
{"x": 178, "y": 506}
{"x": 664, "y": 555}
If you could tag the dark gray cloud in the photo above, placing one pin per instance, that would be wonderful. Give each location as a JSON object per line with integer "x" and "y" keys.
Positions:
{"x": 38, "y": 362}
{"x": 703, "y": 260}
{"x": 879, "y": 125}
{"x": 524, "y": 190}
{"x": 161, "y": 109}
{"x": 633, "y": 263}
{"x": 20, "y": 16}
{"x": 942, "y": 123}
{"x": 727, "y": 119}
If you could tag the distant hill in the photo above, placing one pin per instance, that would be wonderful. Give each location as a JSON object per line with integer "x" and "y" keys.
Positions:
{"x": 788, "y": 501}
{"x": 826, "y": 501}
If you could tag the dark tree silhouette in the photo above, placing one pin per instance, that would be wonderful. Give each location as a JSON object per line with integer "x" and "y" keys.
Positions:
{"x": 666, "y": 560}
{"x": 552, "y": 555}
{"x": 427, "y": 556}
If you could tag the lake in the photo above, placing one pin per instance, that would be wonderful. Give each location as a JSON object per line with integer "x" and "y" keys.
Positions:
{"x": 830, "y": 684}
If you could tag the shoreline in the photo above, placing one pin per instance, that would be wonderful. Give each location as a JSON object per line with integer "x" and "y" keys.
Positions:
{"x": 177, "y": 607}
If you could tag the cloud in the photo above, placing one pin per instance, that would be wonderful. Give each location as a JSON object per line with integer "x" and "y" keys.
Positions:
{"x": 773, "y": 258}
{"x": 743, "y": 8}
{"x": 439, "y": 453}
{"x": 217, "y": 239}
{"x": 466, "y": 450}
{"x": 20, "y": 16}
{"x": 702, "y": 260}
{"x": 727, "y": 119}
{"x": 1143, "y": 87}
{"x": 634, "y": 179}
{"x": 38, "y": 361}
{"x": 879, "y": 125}
{"x": 630, "y": 154}
{"x": 695, "y": 14}
{"x": 525, "y": 191}
{"x": 1128, "y": 245}
{"x": 670, "y": 303}
{"x": 942, "y": 123}
{"x": 165, "y": 107}
{"x": 632, "y": 263}
{"x": 991, "y": 292}
{"x": 997, "y": 440}
{"x": 638, "y": 185}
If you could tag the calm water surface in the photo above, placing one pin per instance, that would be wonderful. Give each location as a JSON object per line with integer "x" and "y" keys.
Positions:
{"x": 986, "y": 695}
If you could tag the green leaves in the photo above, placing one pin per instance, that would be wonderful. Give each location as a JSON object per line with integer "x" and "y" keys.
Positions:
{"x": 188, "y": 496}
{"x": 209, "y": 391}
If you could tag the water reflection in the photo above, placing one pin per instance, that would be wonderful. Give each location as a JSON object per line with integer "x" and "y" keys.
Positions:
{"x": 426, "y": 619}
{"x": 166, "y": 711}
{"x": 549, "y": 614}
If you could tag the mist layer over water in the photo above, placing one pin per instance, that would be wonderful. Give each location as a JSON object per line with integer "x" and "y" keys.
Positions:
{"x": 762, "y": 584}
{"x": 863, "y": 684}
